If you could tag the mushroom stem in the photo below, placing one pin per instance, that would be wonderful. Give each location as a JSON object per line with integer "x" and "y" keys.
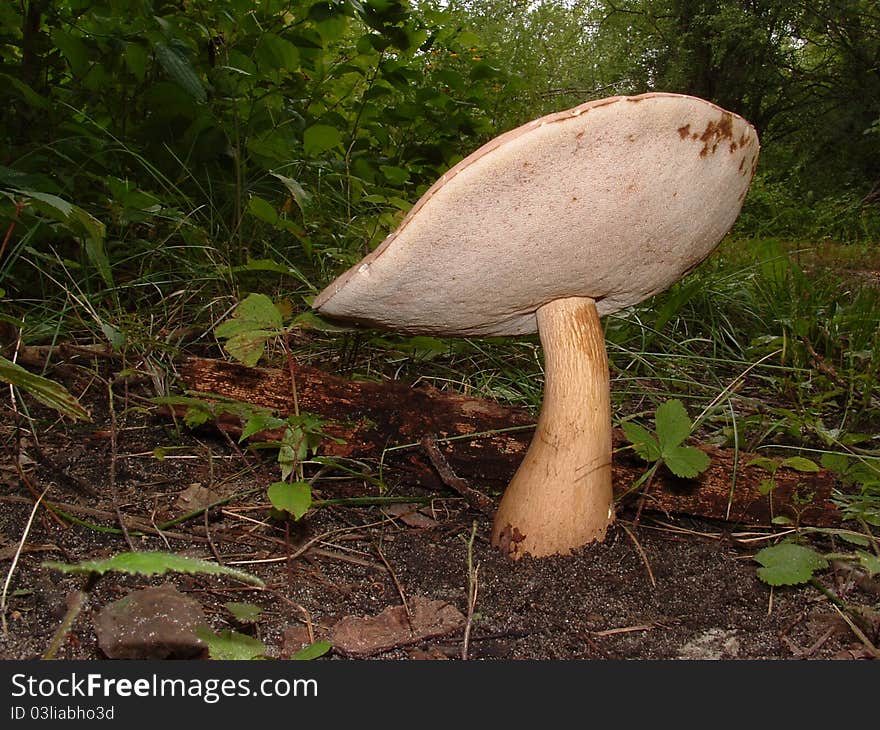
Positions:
{"x": 560, "y": 497}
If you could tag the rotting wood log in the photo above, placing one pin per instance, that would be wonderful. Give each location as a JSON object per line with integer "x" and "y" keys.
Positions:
{"x": 483, "y": 442}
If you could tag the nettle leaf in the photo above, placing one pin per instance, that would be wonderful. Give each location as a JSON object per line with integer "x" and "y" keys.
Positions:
{"x": 295, "y": 498}
{"x": 255, "y": 320}
{"x": 788, "y": 564}
{"x": 153, "y": 563}
{"x": 312, "y": 651}
{"x": 319, "y": 138}
{"x": 248, "y": 347}
{"x": 673, "y": 424}
{"x": 643, "y": 441}
{"x": 260, "y": 422}
{"x": 686, "y": 461}
{"x": 254, "y": 312}
{"x": 231, "y": 645}
{"x": 799, "y": 463}
{"x": 48, "y": 392}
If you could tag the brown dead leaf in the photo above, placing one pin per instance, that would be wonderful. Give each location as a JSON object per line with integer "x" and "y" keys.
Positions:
{"x": 390, "y": 629}
{"x": 411, "y": 516}
{"x": 195, "y": 497}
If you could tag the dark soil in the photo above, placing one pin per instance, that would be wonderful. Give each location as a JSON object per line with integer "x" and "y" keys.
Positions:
{"x": 669, "y": 588}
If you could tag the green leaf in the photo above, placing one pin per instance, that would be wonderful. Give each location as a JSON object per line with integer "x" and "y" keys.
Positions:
{"x": 260, "y": 422}
{"x": 253, "y": 321}
{"x": 869, "y": 562}
{"x": 73, "y": 49}
{"x": 799, "y": 463}
{"x": 153, "y": 563}
{"x": 319, "y": 138}
{"x": 275, "y": 53}
{"x": 644, "y": 443}
{"x": 673, "y": 424}
{"x": 762, "y": 462}
{"x": 46, "y": 391}
{"x": 30, "y": 96}
{"x": 262, "y": 209}
{"x": 312, "y": 651}
{"x": 295, "y": 498}
{"x": 297, "y": 192}
{"x": 248, "y": 347}
{"x": 231, "y": 645}
{"x": 181, "y": 71}
{"x": 686, "y": 461}
{"x": 254, "y": 312}
{"x": 136, "y": 59}
{"x": 246, "y": 613}
{"x": 788, "y": 564}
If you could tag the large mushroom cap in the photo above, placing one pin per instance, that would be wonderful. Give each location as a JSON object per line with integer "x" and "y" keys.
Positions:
{"x": 613, "y": 200}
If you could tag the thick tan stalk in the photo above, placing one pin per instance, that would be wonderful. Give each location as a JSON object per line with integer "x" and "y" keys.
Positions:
{"x": 560, "y": 497}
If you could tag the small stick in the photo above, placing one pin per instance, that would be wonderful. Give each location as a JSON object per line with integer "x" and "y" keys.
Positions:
{"x": 641, "y": 553}
{"x": 27, "y": 529}
{"x": 475, "y": 499}
{"x": 473, "y": 587}
{"x": 396, "y": 584}
{"x": 124, "y": 529}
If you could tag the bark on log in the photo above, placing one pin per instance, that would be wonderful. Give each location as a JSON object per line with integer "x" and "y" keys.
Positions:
{"x": 484, "y": 442}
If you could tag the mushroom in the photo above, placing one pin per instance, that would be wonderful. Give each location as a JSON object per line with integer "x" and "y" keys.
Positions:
{"x": 547, "y": 228}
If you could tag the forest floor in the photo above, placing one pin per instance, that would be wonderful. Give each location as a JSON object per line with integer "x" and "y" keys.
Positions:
{"x": 671, "y": 587}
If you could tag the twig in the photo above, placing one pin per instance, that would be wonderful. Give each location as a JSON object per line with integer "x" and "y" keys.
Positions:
{"x": 76, "y": 601}
{"x": 27, "y": 529}
{"x": 124, "y": 529}
{"x": 475, "y": 499}
{"x": 641, "y": 553}
{"x": 473, "y": 587}
{"x": 396, "y": 584}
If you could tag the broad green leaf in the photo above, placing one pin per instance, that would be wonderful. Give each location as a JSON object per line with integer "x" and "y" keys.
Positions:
{"x": 799, "y": 463}
{"x": 246, "y": 613}
{"x": 686, "y": 461}
{"x": 248, "y": 347}
{"x": 295, "y": 498}
{"x": 762, "y": 462}
{"x": 788, "y": 564}
{"x": 673, "y": 424}
{"x": 48, "y": 392}
{"x": 273, "y": 52}
{"x": 136, "y": 59}
{"x": 394, "y": 175}
{"x": 262, "y": 209}
{"x": 644, "y": 443}
{"x": 312, "y": 651}
{"x": 73, "y": 49}
{"x": 260, "y": 422}
{"x": 181, "y": 71}
{"x": 231, "y": 645}
{"x": 319, "y": 138}
{"x": 766, "y": 486}
{"x": 254, "y": 312}
{"x": 154, "y": 563}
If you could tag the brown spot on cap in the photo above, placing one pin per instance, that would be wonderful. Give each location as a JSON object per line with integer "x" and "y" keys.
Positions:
{"x": 684, "y": 131}
{"x": 715, "y": 132}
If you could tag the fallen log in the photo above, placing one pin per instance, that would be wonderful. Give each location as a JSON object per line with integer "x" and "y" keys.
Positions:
{"x": 483, "y": 443}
